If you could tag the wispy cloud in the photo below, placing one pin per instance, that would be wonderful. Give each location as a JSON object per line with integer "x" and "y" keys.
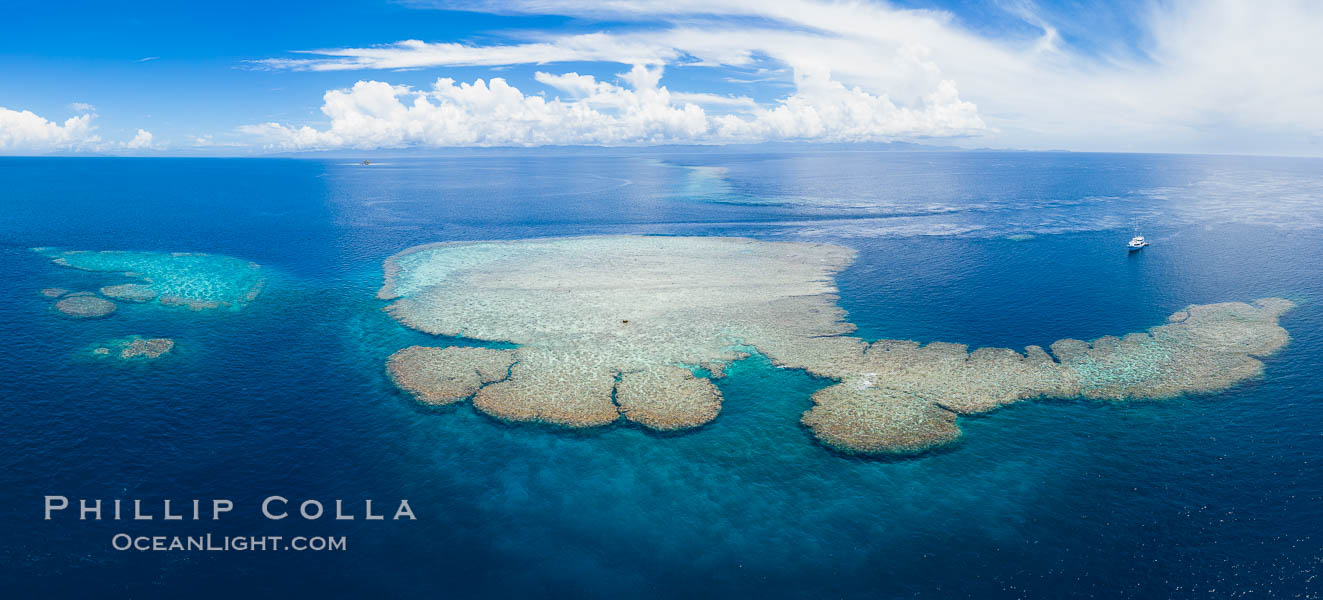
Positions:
{"x": 148, "y": 58}
{"x": 413, "y": 54}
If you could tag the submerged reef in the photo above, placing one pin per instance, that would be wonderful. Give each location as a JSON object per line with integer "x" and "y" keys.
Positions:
{"x": 134, "y": 347}
{"x": 607, "y": 326}
{"x": 192, "y": 280}
{"x": 195, "y": 281}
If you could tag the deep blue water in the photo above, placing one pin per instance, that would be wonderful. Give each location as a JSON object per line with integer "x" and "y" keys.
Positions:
{"x": 1208, "y": 496}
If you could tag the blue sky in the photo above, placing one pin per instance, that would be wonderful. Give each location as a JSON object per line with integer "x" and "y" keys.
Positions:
{"x": 163, "y": 78}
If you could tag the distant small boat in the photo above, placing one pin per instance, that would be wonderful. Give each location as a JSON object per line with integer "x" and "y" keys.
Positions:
{"x": 1137, "y": 243}
{"x": 365, "y": 163}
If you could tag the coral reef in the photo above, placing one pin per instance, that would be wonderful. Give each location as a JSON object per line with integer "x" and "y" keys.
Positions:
{"x": 129, "y": 292}
{"x": 608, "y": 327}
{"x": 192, "y": 280}
{"x": 135, "y": 347}
{"x": 855, "y": 418}
{"x": 667, "y": 398}
{"x": 196, "y": 281}
{"x": 84, "y": 306}
{"x": 552, "y": 387}
{"x": 589, "y": 311}
{"x": 1201, "y": 349}
{"x": 445, "y": 375}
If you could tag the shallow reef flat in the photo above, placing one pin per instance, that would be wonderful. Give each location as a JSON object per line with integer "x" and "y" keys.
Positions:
{"x": 615, "y": 327}
{"x": 600, "y": 317}
{"x": 192, "y": 280}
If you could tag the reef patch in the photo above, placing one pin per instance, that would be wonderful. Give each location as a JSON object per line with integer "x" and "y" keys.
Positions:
{"x": 1203, "y": 348}
{"x": 84, "y": 306}
{"x": 667, "y": 398}
{"x": 607, "y": 328}
{"x": 442, "y": 376}
{"x": 134, "y": 347}
{"x": 130, "y": 292}
{"x": 196, "y": 281}
{"x": 192, "y": 280}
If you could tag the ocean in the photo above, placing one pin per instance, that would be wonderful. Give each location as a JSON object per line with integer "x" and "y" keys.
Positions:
{"x": 1215, "y": 495}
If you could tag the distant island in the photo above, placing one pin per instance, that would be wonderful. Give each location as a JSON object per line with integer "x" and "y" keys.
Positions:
{"x": 637, "y": 327}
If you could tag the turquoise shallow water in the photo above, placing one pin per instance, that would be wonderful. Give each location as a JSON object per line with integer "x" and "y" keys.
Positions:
{"x": 1208, "y": 496}
{"x": 206, "y": 280}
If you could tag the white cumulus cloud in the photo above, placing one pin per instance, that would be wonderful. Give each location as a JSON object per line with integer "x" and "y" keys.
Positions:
{"x": 25, "y": 131}
{"x": 373, "y": 114}
{"x": 823, "y": 109}
{"x": 141, "y": 141}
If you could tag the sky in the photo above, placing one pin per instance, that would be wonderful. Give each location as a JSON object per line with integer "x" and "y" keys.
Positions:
{"x": 196, "y": 78}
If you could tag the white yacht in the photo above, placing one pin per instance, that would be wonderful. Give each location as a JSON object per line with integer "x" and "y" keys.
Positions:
{"x": 1136, "y": 242}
